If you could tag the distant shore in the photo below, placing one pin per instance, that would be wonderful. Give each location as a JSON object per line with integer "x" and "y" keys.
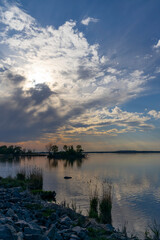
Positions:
{"x": 125, "y": 152}
{"x": 43, "y": 154}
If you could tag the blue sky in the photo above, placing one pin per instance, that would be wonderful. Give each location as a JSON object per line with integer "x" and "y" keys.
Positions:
{"x": 80, "y": 72}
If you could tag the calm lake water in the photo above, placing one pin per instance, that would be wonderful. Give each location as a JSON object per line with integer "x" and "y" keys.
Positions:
{"x": 135, "y": 179}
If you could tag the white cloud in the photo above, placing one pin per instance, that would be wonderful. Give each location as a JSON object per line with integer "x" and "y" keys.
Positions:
{"x": 88, "y": 20}
{"x": 70, "y": 67}
{"x": 157, "y": 45}
{"x": 101, "y": 122}
{"x": 157, "y": 70}
{"x": 155, "y": 114}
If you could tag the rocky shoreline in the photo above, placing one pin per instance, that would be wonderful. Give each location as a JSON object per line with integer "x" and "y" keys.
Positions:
{"x": 24, "y": 216}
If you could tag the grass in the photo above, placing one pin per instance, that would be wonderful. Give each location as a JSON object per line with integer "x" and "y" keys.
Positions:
{"x": 96, "y": 234}
{"x": 31, "y": 179}
{"x": 93, "y": 207}
{"x": 47, "y": 212}
{"x": 124, "y": 229}
{"x": 10, "y": 182}
{"x": 100, "y": 208}
{"x": 105, "y": 205}
{"x": 153, "y": 233}
{"x": 34, "y": 206}
{"x": 45, "y": 195}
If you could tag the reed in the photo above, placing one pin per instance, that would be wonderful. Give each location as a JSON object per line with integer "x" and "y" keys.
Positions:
{"x": 32, "y": 176}
{"x": 105, "y": 204}
{"x": 153, "y": 233}
{"x": 93, "y": 207}
{"x": 100, "y": 207}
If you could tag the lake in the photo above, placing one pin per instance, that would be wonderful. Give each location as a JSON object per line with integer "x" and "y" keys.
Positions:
{"x": 135, "y": 180}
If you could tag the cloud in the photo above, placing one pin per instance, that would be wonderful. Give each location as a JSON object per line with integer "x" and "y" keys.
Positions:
{"x": 88, "y": 20}
{"x": 157, "y": 45}
{"x": 108, "y": 122}
{"x": 155, "y": 114}
{"x": 52, "y": 78}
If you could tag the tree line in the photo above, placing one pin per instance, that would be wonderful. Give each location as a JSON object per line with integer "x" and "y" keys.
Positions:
{"x": 16, "y": 150}
{"x": 68, "y": 151}
{"x": 51, "y": 148}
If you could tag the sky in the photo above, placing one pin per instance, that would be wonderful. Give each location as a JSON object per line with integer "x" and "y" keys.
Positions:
{"x": 80, "y": 72}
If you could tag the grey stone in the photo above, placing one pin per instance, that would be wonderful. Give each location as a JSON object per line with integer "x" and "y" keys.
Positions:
{"x": 77, "y": 229}
{"x": 22, "y": 224}
{"x": 10, "y": 213}
{"x": 51, "y": 232}
{"x": 28, "y": 230}
{"x": 33, "y": 237}
{"x": 81, "y": 232}
{"x": 57, "y": 236}
{"x": 18, "y": 236}
{"x": 74, "y": 237}
{"x": 109, "y": 228}
{"x": 6, "y": 233}
{"x": 66, "y": 221}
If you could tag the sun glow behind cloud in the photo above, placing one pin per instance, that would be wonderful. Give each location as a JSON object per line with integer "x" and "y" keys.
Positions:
{"x": 64, "y": 86}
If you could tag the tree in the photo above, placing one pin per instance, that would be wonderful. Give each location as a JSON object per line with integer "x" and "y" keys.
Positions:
{"x": 79, "y": 148}
{"x": 54, "y": 148}
{"x": 71, "y": 149}
{"x": 49, "y": 147}
{"x": 17, "y": 149}
{"x": 65, "y": 148}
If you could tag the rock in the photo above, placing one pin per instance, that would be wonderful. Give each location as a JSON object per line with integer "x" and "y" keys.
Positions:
{"x": 74, "y": 237}
{"x": 10, "y": 213}
{"x": 33, "y": 237}
{"x": 66, "y": 221}
{"x": 22, "y": 224}
{"x": 109, "y": 228}
{"x": 67, "y": 177}
{"x": 51, "y": 232}
{"x": 28, "y": 230}
{"x": 81, "y": 232}
{"x": 18, "y": 236}
{"x": 57, "y": 236}
{"x": 6, "y": 233}
{"x": 77, "y": 229}
{"x": 26, "y": 217}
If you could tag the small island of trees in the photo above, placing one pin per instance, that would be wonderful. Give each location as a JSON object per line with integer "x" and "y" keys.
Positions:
{"x": 67, "y": 153}
{"x": 15, "y": 150}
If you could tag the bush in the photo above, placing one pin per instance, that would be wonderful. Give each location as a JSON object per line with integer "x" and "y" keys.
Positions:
{"x": 45, "y": 195}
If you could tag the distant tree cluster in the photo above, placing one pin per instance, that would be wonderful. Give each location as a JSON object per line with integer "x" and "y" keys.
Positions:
{"x": 68, "y": 151}
{"x": 16, "y": 150}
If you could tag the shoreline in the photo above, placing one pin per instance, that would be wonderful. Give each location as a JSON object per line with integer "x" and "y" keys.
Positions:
{"x": 26, "y": 216}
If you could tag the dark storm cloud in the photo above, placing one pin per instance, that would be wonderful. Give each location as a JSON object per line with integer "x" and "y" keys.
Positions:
{"x": 40, "y": 93}
{"x": 15, "y": 78}
{"x": 20, "y": 119}
{"x": 85, "y": 73}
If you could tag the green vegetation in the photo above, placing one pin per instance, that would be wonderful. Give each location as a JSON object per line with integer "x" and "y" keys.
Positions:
{"x": 10, "y": 182}
{"x": 153, "y": 233}
{"x": 96, "y": 234}
{"x": 14, "y": 150}
{"x": 105, "y": 205}
{"x": 31, "y": 180}
{"x": 33, "y": 206}
{"x": 68, "y": 153}
{"x": 93, "y": 210}
{"x": 47, "y": 212}
{"x": 45, "y": 195}
{"x": 100, "y": 208}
